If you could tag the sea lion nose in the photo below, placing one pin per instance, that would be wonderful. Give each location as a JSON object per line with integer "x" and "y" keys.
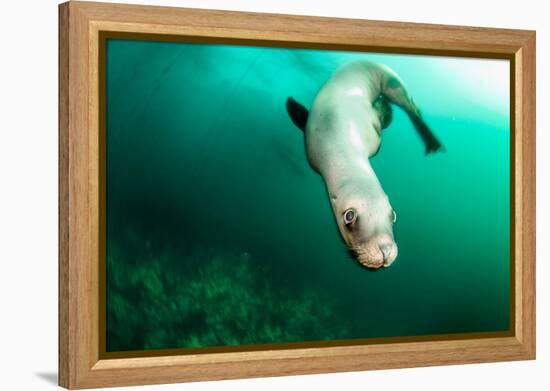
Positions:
{"x": 386, "y": 250}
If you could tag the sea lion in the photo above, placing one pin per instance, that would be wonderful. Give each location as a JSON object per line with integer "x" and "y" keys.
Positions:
{"x": 342, "y": 131}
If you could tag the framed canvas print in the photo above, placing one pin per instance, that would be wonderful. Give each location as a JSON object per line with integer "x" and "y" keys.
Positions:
{"x": 247, "y": 195}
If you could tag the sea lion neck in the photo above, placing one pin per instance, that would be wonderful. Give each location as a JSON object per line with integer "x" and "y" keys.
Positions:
{"x": 348, "y": 177}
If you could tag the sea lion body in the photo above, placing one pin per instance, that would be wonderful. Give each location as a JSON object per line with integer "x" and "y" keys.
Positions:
{"x": 342, "y": 119}
{"x": 342, "y": 131}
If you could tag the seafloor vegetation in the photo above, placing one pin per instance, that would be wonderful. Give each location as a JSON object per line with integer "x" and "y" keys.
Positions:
{"x": 221, "y": 300}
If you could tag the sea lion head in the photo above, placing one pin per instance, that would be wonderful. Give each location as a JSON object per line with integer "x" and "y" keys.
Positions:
{"x": 365, "y": 219}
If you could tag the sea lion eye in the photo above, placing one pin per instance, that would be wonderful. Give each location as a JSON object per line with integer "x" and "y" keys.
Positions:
{"x": 394, "y": 216}
{"x": 350, "y": 215}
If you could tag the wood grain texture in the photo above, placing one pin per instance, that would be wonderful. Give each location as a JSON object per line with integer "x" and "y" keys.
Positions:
{"x": 63, "y": 178}
{"x": 80, "y": 365}
{"x": 526, "y": 126}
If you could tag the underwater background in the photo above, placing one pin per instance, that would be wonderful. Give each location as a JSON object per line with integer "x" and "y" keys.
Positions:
{"x": 219, "y": 233}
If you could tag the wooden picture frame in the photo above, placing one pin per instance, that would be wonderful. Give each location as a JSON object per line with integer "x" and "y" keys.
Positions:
{"x": 81, "y": 364}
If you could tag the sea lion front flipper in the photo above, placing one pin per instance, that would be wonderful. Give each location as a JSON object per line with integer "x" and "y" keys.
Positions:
{"x": 297, "y": 113}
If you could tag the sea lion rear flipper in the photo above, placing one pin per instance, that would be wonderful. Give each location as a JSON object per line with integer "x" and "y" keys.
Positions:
{"x": 428, "y": 137}
{"x": 297, "y": 113}
{"x": 394, "y": 90}
{"x": 384, "y": 111}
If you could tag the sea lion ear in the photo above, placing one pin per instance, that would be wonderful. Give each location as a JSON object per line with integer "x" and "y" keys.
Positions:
{"x": 297, "y": 113}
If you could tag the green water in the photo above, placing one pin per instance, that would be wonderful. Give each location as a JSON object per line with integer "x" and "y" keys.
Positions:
{"x": 219, "y": 233}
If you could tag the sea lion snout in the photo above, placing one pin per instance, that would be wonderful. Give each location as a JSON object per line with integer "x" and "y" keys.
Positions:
{"x": 365, "y": 218}
{"x": 386, "y": 250}
{"x": 379, "y": 251}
